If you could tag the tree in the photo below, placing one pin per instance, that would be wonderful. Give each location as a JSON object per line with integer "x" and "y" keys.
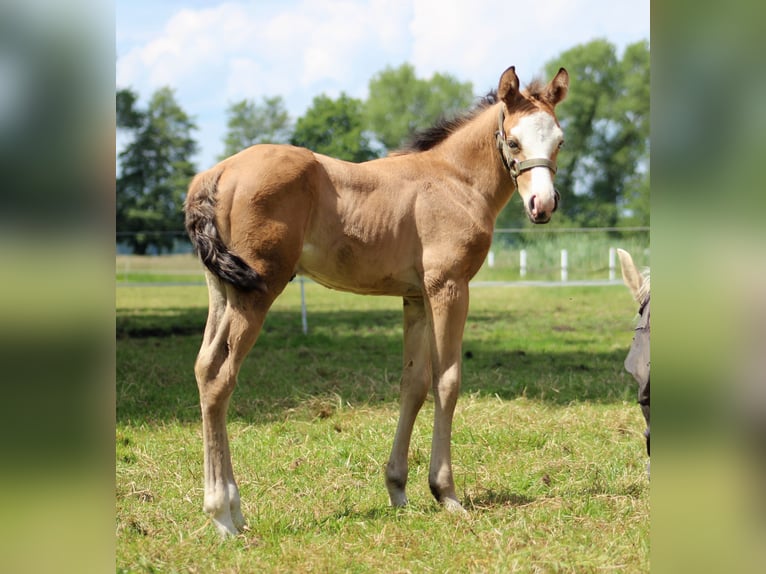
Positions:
{"x": 155, "y": 170}
{"x": 603, "y": 168}
{"x": 632, "y": 113}
{"x": 334, "y": 128}
{"x": 399, "y": 103}
{"x": 250, "y": 123}
{"x": 128, "y": 116}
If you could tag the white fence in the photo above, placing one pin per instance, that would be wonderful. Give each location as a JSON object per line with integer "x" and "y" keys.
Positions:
{"x": 523, "y": 258}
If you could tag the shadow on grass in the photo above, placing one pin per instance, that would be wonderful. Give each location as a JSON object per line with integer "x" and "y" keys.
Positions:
{"x": 348, "y": 356}
{"x": 490, "y": 499}
{"x": 484, "y": 501}
{"x": 386, "y": 513}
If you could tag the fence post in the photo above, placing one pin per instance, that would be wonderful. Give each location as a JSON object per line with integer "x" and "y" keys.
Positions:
{"x": 612, "y": 253}
{"x": 523, "y": 262}
{"x": 491, "y": 259}
{"x": 564, "y": 265}
{"x": 304, "y": 318}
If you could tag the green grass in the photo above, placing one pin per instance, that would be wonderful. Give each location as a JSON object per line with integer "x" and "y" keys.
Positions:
{"x": 547, "y": 447}
{"x": 178, "y": 268}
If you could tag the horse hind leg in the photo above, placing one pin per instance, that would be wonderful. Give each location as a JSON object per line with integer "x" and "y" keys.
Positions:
{"x": 234, "y": 322}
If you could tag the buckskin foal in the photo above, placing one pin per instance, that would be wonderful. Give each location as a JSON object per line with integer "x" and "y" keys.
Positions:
{"x": 416, "y": 224}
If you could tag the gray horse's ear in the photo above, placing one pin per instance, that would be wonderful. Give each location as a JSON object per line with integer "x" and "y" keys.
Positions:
{"x": 630, "y": 275}
{"x": 508, "y": 87}
{"x": 557, "y": 90}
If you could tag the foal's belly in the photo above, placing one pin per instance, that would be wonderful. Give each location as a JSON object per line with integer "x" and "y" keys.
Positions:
{"x": 346, "y": 269}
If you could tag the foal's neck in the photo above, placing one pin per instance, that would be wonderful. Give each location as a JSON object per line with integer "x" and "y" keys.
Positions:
{"x": 472, "y": 152}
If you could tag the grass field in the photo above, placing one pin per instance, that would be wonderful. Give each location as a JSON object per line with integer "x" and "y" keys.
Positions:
{"x": 548, "y": 451}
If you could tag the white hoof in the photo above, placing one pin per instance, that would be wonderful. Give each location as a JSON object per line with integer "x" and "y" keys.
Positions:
{"x": 452, "y": 506}
{"x": 225, "y": 526}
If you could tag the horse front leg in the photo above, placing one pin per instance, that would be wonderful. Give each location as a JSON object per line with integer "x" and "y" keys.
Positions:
{"x": 416, "y": 374}
{"x": 448, "y": 309}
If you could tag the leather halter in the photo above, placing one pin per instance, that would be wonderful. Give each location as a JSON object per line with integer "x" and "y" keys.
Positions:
{"x": 516, "y": 168}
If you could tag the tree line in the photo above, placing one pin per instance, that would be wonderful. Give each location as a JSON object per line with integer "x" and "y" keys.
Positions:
{"x": 603, "y": 174}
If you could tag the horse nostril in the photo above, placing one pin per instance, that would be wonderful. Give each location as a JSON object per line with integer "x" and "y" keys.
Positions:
{"x": 532, "y": 208}
{"x": 556, "y": 198}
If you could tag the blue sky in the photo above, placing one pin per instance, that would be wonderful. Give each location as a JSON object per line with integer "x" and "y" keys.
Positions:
{"x": 214, "y": 53}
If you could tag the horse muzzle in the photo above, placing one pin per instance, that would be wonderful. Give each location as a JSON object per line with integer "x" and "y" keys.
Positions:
{"x": 540, "y": 211}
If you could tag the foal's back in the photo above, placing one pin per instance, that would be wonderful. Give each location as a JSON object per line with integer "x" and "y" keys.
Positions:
{"x": 370, "y": 228}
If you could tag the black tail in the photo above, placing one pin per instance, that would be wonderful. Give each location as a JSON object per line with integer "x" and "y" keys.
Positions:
{"x": 200, "y": 225}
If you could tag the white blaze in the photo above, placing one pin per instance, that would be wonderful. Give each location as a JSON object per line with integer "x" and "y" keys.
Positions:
{"x": 538, "y": 137}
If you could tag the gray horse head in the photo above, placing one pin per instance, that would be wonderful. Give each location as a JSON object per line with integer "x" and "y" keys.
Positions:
{"x": 638, "y": 361}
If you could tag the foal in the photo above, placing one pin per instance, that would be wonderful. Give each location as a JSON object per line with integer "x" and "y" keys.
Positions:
{"x": 417, "y": 225}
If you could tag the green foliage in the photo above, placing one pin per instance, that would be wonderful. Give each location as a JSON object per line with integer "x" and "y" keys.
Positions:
{"x": 547, "y": 446}
{"x": 334, "y": 128}
{"x": 604, "y": 167}
{"x": 128, "y": 116}
{"x": 399, "y": 103}
{"x": 155, "y": 170}
{"x": 250, "y": 123}
{"x": 633, "y": 109}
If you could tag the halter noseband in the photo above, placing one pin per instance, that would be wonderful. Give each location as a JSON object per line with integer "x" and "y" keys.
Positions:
{"x": 516, "y": 168}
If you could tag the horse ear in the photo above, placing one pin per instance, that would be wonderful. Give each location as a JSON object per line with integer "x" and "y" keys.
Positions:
{"x": 630, "y": 275}
{"x": 556, "y": 91}
{"x": 508, "y": 88}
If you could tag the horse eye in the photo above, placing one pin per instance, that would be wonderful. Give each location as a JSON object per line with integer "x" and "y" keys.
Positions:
{"x": 514, "y": 145}
{"x": 561, "y": 144}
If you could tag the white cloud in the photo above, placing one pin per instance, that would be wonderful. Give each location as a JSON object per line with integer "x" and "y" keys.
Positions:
{"x": 238, "y": 50}
{"x": 192, "y": 44}
{"x": 244, "y": 76}
{"x": 215, "y": 54}
{"x": 477, "y": 40}
{"x": 297, "y": 49}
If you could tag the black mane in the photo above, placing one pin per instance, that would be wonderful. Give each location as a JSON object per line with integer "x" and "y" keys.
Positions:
{"x": 429, "y": 138}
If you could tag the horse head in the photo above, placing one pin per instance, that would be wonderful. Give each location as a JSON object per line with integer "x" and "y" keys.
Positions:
{"x": 529, "y": 138}
{"x": 638, "y": 361}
